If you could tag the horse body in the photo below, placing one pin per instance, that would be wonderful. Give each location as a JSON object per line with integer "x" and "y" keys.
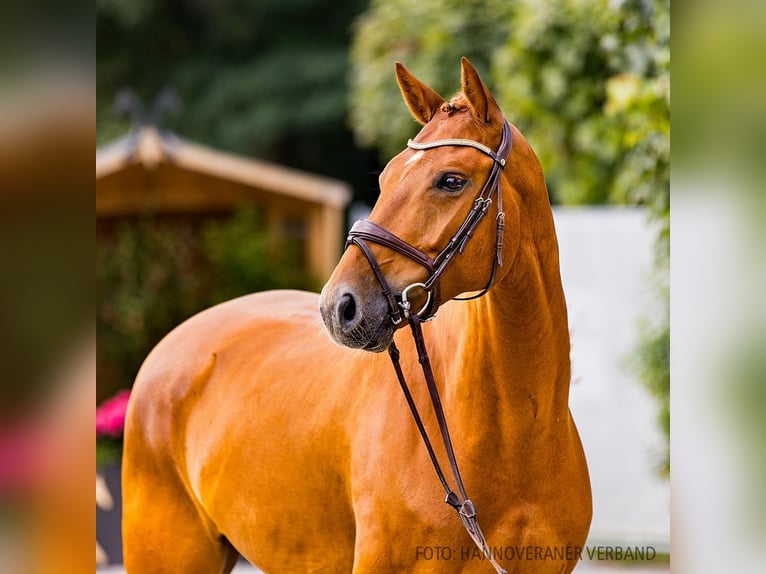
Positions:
{"x": 248, "y": 428}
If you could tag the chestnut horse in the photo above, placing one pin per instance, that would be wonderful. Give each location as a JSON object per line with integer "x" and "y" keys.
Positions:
{"x": 249, "y": 429}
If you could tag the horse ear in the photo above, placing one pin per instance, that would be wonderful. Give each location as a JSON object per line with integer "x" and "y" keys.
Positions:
{"x": 422, "y": 100}
{"x": 482, "y": 103}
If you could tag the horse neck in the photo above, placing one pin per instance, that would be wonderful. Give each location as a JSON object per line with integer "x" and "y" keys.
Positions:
{"x": 510, "y": 349}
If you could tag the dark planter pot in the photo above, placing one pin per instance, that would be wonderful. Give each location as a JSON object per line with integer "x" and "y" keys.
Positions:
{"x": 108, "y": 522}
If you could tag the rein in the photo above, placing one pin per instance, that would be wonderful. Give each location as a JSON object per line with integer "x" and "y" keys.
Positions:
{"x": 400, "y": 310}
{"x": 466, "y": 511}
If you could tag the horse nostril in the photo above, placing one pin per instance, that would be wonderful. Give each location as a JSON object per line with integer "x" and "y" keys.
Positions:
{"x": 347, "y": 311}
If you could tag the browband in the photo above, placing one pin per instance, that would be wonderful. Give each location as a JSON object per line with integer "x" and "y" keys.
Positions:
{"x": 458, "y": 142}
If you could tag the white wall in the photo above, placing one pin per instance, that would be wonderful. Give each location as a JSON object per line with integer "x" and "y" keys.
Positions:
{"x": 606, "y": 266}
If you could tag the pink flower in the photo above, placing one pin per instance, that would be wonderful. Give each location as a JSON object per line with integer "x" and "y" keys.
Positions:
{"x": 22, "y": 458}
{"x": 110, "y": 416}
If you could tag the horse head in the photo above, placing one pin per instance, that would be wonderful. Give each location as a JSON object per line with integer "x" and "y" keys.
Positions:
{"x": 424, "y": 242}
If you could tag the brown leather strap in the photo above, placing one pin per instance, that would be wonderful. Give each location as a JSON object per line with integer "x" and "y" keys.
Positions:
{"x": 393, "y": 352}
{"x": 365, "y": 230}
{"x": 462, "y": 504}
{"x": 425, "y": 364}
{"x": 371, "y": 231}
{"x": 393, "y": 307}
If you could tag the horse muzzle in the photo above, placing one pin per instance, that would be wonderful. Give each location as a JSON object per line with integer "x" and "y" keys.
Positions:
{"x": 356, "y": 320}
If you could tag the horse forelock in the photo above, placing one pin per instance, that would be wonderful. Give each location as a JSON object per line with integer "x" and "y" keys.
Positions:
{"x": 459, "y": 104}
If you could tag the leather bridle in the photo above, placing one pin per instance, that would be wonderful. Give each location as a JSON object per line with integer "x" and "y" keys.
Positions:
{"x": 400, "y": 309}
{"x": 364, "y": 231}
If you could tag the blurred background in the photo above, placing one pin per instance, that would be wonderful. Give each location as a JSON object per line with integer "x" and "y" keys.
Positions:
{"x": 196, "y": 100}
{"x": 234, "y": 138}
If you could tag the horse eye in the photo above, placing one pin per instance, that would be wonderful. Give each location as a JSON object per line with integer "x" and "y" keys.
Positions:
{"x": 451, "y": 182}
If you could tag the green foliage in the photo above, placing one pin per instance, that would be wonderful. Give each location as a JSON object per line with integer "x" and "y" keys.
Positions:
{"x": 744, "y": 400}
{"x": 146, "y": 284}
{"x": 45, "y": 297}
{"x": 587, "y": 82}
{"x": 108, "y": 451}
{"x": 245, "y": 259}
{"x": 552, "y": 75}
{"x": 152, "y": 274}
{"x": 429, "y": 37}
{"x": 256, "y": 77}
{"x": 653, "y": 364}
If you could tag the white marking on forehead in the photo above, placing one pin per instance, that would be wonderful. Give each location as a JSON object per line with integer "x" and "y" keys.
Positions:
{"x": 415, "y": 157}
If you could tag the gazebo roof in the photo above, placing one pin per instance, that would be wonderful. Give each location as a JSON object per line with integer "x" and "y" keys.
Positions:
{"x": 148, "y": 150}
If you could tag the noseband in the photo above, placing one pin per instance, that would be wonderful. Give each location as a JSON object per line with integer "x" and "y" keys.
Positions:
{"x": 365, "y": 231}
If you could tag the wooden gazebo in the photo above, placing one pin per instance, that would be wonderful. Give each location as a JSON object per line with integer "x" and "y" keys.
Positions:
{"x": 153, "y": 171}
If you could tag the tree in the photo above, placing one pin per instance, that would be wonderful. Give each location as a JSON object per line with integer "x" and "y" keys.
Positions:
{"x": 256, "y": 77}
{"x": 590, "y": 85}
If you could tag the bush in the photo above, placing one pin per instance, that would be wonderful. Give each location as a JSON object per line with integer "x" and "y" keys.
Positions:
{"x": 153, "y": 273}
